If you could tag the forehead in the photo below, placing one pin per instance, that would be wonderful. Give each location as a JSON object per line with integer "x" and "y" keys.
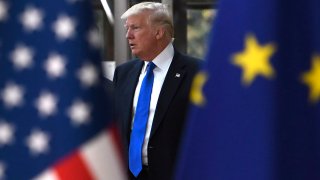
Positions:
{"x": 140, "y": 18}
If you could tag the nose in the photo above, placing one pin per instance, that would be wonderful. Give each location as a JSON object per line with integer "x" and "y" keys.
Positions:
{"x": 129, "y": 34}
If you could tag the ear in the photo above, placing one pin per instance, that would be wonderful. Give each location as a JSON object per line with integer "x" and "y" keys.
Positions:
{"x": 160, "y": 33}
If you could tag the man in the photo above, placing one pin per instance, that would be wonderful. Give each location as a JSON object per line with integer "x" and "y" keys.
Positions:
{"x": 150, "y": 33}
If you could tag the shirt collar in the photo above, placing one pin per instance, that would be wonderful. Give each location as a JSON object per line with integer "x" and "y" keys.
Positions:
{"x": 164, "y": 59}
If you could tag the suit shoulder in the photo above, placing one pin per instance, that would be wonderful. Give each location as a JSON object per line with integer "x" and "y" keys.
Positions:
{"x": 127, "y": 65}
{"x": 124, "y": 71}
{"x": 188, "y": 59}
{"x": 191, "y": 62}
{"x": 194, "y": 61}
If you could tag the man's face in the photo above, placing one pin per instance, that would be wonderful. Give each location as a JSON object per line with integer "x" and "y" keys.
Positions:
{"x": 141, "y": 36}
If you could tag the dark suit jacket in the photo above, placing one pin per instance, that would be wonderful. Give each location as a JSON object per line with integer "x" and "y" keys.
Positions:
{"x": 170, "y": 112}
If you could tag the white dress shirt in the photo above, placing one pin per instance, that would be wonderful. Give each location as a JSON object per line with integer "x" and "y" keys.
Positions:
{"x": 162, "y": 62}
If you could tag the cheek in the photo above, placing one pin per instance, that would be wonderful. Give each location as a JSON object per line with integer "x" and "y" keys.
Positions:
{"x": 148, "y": 38}
{"x": 145, "y": 40}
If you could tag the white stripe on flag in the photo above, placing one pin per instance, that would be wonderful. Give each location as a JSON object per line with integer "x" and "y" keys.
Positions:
{"x": 47, "y": 175}
{"x": 104, "y": 164}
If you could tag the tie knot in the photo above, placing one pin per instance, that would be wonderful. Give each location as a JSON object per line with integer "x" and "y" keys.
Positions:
{"x": 150, "y": 66}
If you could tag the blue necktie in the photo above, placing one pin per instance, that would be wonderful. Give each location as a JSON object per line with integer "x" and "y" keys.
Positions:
{"x": 140, "y": 122}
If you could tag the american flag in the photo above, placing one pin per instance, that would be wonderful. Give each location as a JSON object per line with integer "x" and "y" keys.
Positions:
{"x": 55, "y": 119}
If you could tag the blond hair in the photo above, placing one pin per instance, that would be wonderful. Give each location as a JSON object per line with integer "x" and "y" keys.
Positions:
{"x": 159, "y": 15}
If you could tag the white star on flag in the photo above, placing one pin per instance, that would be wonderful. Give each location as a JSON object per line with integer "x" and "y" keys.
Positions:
{"x": 22, "y": 57}
{"x": 12, "y": 95}
{"x": 3, "y": 11}
{"x": 55, "y": 65}
{"x": 38, "y": 142}
{"x": 31, "y": 19}
{"x": 6, "y": 133}
{"x": 54, "y": 111}
{"x": 46, "y": 104}
{"x": 64, "y": 27}
{"x": 94, "y": 38}
{"x": 88, "y": 75}
{"x": 79, "y": 112}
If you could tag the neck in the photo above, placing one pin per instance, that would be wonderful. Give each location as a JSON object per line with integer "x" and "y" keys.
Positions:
{"x": 158, "y": 49}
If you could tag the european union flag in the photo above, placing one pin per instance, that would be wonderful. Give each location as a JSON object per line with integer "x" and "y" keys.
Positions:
{"x": 55, "y": 119}
{"x": 257, "y": 113}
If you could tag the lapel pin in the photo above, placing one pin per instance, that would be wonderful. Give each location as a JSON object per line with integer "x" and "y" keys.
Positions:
{"x": 177, "y": 75}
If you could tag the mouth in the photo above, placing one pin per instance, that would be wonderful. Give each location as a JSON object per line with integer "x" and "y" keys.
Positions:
{"x": 132, "y": 45}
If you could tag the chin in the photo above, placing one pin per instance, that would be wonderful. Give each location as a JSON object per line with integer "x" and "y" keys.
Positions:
{"x": 135, "y": 53}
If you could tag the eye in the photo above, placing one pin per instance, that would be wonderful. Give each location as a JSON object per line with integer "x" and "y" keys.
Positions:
{"x": 135, "y": 27}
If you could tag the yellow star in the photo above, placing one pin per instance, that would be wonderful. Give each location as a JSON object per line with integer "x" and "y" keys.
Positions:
{"x": 312, "y": 79}
{"x": 196, "y": 94}
{"x": 254, "y": 60}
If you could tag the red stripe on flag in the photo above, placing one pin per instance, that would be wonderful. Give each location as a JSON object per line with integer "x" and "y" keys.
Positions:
{"x": 73, "y": 167}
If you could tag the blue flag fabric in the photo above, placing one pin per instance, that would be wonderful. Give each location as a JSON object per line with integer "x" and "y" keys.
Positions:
{"x": 52, "y": 100}
{"x": 257, "y": 112}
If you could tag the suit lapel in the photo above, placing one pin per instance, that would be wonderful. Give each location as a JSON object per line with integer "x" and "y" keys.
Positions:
{"x": 170, "y": 86}
{"x": 129, "y": 93}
